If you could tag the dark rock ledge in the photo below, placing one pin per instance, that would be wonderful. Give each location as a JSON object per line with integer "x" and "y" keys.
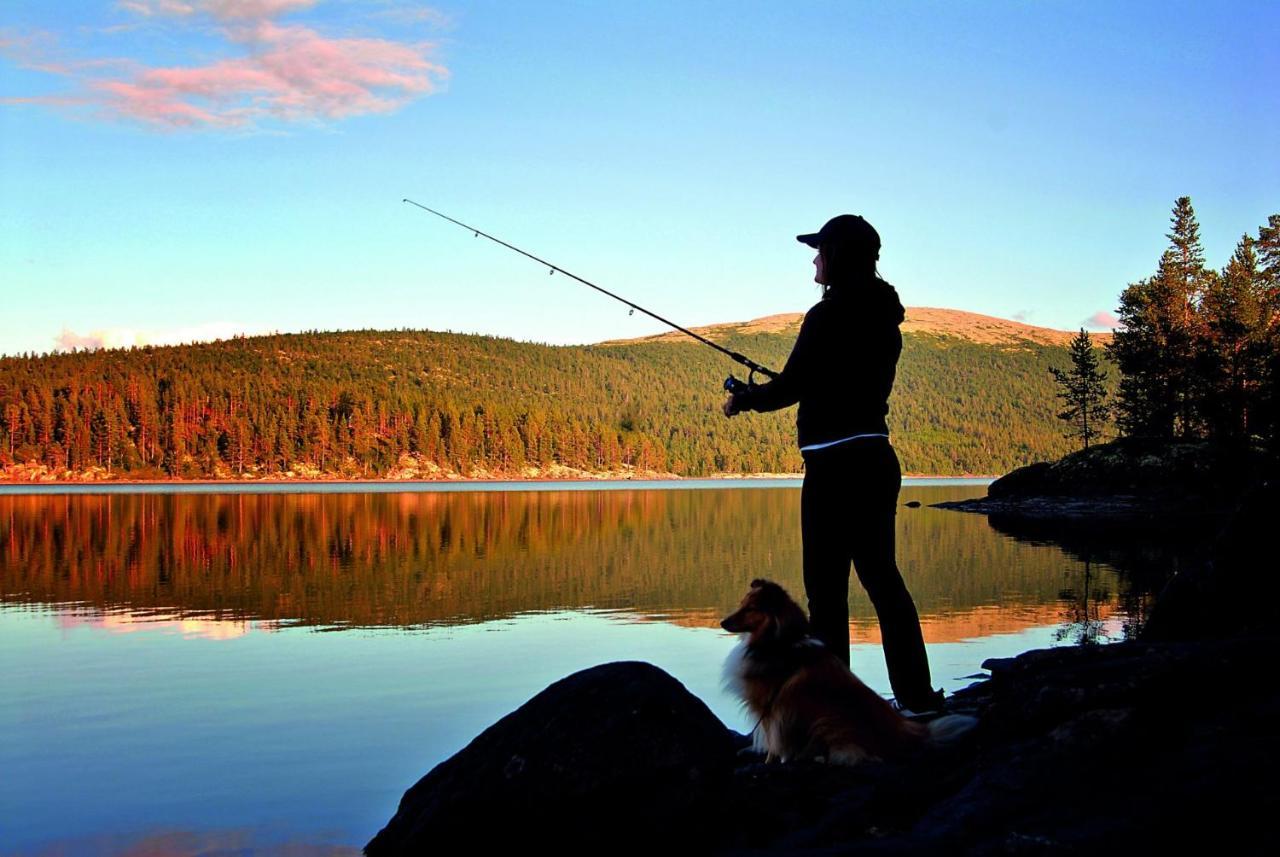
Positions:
{"x": 1131, "y": 481}
{"x": 1134, "y": 745}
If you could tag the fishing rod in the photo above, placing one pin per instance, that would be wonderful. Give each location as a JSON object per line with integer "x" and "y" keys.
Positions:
{"x": 732, "y": 384}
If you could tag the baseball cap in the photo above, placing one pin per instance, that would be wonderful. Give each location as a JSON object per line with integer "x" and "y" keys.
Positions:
{"x": 847, "y": 229}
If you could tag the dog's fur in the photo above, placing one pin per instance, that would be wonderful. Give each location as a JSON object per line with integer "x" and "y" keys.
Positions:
{"x": 807, "y": 703}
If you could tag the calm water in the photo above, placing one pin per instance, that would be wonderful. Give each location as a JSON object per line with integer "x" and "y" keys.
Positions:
{"x": 185, "y": 672}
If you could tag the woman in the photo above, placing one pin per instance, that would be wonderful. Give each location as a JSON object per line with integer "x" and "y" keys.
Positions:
{"x": 841, "y": 371}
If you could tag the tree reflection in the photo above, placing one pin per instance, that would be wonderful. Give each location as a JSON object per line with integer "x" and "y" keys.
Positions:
{"x": 413, "y": 559}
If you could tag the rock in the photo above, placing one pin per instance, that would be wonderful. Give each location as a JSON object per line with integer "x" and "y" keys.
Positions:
{"x": 1112, "y": 746}
{"x": 1137, "y": 467}
{"x": 621, "y": 749}
{"x": 1023, "y": 481}
{"x": 1133, "y": 746}
{"x": 1128, "y": 481}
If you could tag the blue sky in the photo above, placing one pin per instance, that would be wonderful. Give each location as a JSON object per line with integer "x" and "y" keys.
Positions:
{"x": 172, "y": 169}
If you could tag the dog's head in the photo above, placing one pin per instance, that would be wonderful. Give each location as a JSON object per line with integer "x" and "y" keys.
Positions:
{"x": 768, "y": 614}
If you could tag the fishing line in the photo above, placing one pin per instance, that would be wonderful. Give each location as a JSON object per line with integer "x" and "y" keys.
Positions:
{"x": 731, "y": 383}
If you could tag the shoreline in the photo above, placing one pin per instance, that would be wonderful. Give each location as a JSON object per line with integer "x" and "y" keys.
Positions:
{"x": 607, "y": 477}
{"x": 12, "y": 487}
{"x": 37, "y": 475}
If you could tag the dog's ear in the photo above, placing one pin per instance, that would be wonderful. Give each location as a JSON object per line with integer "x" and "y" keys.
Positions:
{"x": 790, "y": 622}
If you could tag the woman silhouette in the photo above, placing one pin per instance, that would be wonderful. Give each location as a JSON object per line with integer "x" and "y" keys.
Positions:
{"x": 841, "y": 371}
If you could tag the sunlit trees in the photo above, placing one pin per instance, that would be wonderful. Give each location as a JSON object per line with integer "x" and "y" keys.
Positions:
{"x": 356, "y": 402}
{"x": 1233, "y": 348}
{"x": 1196, "y": 349}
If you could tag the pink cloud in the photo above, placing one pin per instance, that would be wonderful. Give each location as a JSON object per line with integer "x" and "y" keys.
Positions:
{"x": 222, "y": 9}
{"x": 148, "y": 8}
{"x": 69, "y": 340}
{"x": 34, "y": 50}
{"x": 285, "y": 73}
{"x": 1102, "y": 319}
{"x": 416, "y": 15}
{"x": 128, "y": 337}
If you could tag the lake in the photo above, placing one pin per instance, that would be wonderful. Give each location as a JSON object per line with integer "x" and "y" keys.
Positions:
{"x": 267, "y": 671}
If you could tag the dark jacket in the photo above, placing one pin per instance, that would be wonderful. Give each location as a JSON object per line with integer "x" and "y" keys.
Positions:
{"x": 842, "y": 366}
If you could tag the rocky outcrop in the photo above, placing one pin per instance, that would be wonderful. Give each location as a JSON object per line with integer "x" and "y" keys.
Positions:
{"x": 619, "y": 750}
{"x": 1128, "y": 481}
{"x": 1129, "y": 746}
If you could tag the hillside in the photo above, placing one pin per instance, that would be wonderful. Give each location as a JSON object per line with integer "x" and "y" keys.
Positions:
{"x": 970, "y": 326}
{"x": 974, "y": 395}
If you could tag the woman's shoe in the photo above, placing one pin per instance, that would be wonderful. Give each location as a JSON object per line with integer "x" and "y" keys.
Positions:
{"x": 930, "y": 708}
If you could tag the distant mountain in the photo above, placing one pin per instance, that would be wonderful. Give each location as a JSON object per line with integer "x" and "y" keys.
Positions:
{"x": 974, "y": 395}
{"x": 982, "y": 329}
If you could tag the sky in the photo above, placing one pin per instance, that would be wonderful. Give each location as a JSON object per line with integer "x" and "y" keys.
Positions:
{"x": 173, "y": 170}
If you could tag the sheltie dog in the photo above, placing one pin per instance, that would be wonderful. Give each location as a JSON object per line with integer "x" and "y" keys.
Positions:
{"x": 806, "y": 702}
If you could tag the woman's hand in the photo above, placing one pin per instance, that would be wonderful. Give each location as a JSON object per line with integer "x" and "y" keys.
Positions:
{"x": 729, "y": 407}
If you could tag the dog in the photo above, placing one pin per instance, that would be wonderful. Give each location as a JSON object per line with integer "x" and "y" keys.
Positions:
{"x": 807, "y": 703}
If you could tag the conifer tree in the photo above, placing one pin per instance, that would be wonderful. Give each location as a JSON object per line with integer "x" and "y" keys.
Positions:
{"x": 1268, "y": 251}
{"x": 1083, "y": 389}
{"x": 1145, "y": 405}
{"x": 1187, "y": 282}
{"x": 1161, "y": 390}
{"x": 1232, "y": 352}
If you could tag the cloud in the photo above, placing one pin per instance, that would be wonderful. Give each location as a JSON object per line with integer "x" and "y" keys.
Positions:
{"x": 1022, "y": 315}
{"x": 128, "y": 337}
{"x": 69, "y": 340}
{"x": 433, "y": 18}
{"x": 34, "y": 50}
{"x": 1102, "y": 319}
{"x": 221, "y": 9}
{"x": 147, "y": 8}
{"x": 277, "y": 73}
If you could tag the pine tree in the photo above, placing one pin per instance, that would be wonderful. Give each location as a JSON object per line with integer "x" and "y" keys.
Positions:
{"x": 1084, "y": 390}
{"x": 1162, "y": 391}
{"x": 1146, "y": 405}
{"x": 1187, "y": 281}
{"x": 1233, "y": 350}
{"x": 1268, "y": 250}
{"x": 1188, "y": 254}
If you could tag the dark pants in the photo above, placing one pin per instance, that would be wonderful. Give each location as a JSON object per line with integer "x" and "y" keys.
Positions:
{"x": 847, "y": 511}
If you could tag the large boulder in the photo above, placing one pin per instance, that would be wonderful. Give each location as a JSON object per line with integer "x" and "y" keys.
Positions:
{"x": 621, "y": 749}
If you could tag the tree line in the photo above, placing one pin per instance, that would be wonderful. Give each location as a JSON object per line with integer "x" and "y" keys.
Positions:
{"x": 1198, "y": 348}
{"x": 355, "y": 404}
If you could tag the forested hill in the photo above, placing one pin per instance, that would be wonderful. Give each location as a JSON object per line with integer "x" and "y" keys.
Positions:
{"x": 407, "y": 403}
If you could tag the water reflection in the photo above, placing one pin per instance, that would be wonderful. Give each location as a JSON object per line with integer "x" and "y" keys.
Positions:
{"x": 160, "y": 673}
{"x": 187, "y": 843}
{"x": 189, "y": 628}
{"x": 1118, "y": 567}
{"x": 219, "y": 565}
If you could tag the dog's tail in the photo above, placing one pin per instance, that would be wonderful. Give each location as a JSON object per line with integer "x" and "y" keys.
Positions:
{"x": 950, "y": 728}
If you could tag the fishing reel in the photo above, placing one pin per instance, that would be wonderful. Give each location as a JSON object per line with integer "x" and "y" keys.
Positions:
{"x": 735, "y": 385}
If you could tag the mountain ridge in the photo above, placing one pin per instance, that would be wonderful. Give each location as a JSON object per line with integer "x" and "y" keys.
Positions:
{"x": 938, "y": 321}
